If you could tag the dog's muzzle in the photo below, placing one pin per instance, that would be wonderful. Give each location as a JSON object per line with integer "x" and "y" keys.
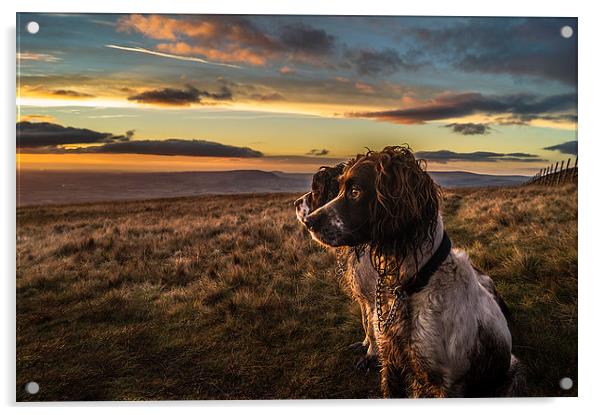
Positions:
{"x": 302, "y": 208}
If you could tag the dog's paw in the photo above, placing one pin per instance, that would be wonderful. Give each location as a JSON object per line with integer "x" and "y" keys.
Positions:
{"x": 367, "y": 363}
{"x": 358, "y": 347}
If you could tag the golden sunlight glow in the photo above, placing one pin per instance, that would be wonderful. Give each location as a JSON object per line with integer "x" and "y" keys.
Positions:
{"x": 149, "y": 163}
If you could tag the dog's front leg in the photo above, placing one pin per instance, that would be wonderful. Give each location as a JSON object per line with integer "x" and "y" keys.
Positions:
{"x": 370, "y": 359}
{"x": 365, "y": 324}
{"x": 370, "y": 335}
{"x": 392, "y": 382}
{"x": 361, "y": 346}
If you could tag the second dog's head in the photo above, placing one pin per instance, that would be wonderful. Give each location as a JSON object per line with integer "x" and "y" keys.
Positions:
{"x": 324, "y": 188}
{"x": 386, "y": 199}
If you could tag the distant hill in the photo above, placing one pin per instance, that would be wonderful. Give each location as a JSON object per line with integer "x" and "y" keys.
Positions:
{"x": 47, "y": 187}
{"x": 466, "y": 179}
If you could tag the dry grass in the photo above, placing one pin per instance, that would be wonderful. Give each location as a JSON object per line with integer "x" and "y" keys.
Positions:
{"x": 226, "y": 297}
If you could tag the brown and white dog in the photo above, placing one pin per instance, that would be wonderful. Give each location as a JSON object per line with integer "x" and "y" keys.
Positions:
{"x": 448, "y": 339}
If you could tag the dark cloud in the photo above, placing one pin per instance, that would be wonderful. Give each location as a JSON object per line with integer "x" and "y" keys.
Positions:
{"x": 469, "y": 128}
{"x": 529, "y": 46}
{"x": 180, "y": 97}
{"x": 125, "y": 137}
{"x": 172, "y": 147}
{"x": 569, "y": 147}
{"x": 460, "y": 105}
{"x": 525, "y": 119}
{"x": 306, "y": 39}
{"x": 168, "y": 96}
{"x": 318, "y": 152}
{"x": 44, "y": 134}
{"x": 272, "y": 96}
{"x": 444, "y": 156}
{"x": 48, "y": 138}
{"x": 70, "y": 93}
{"x": 224, "y": 94}
{"x": 373, "y": 62}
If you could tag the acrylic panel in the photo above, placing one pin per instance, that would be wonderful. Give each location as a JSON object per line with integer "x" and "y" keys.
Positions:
{"x": 295, "y": 207}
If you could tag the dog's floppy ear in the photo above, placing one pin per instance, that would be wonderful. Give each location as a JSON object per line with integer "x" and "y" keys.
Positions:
{"x": 405, "y": 209}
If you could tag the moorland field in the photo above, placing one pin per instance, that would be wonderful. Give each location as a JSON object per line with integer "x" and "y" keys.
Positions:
{"x": 226, "y": 297}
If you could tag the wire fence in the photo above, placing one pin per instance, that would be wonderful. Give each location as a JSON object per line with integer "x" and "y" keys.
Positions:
{"x": 552, "y": 175}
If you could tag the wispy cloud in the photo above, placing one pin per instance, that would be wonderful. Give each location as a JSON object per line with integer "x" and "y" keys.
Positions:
{"x": 113, "y": 116}
{"x": 39, "y": 57}
{"x": 170, "y": 56}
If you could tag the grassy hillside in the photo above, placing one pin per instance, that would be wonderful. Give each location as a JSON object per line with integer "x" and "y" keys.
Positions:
{"x": 227, "y": 297}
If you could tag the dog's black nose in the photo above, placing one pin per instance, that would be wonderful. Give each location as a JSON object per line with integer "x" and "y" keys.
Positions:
{"x": 298, "y": 202}
{"x": 311, "y": 222}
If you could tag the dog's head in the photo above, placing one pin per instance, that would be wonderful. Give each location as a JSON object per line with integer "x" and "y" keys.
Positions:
{"x": 386, "y": 199}
{"x": 324, "y": 188}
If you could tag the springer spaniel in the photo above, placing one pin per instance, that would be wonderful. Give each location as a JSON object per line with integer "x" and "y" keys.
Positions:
{"x": 439, "y": 324}
{"x": 353, "y": 265}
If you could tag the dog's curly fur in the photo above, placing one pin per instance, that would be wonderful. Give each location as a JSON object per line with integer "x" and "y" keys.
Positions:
{"x": 403, "y": 213}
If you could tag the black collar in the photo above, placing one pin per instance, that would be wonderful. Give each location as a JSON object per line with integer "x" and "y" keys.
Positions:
{"x": 426, "y": 272}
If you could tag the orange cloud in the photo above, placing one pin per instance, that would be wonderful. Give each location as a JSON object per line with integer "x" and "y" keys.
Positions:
{"x": 233, "y": 28}
{"x": 153, "y": 26}
{"x": 36, "y": 118}
{"x": 232, "y": 38}
{"x": 232, "y": 54}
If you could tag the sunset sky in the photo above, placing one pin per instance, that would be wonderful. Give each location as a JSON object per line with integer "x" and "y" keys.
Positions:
{"x": 292, "y": 93}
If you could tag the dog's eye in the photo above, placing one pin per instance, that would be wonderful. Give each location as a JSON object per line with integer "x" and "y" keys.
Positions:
{"x": 354, "y": 193}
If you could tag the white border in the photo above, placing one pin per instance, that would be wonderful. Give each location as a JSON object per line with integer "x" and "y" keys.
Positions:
{"x": 590, "y": 345}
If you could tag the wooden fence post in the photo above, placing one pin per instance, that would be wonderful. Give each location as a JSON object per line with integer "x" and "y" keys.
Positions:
{"x": 559, "y": 173}
{"x": 567, "y": 171}
{"x": 543, "y": 178}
